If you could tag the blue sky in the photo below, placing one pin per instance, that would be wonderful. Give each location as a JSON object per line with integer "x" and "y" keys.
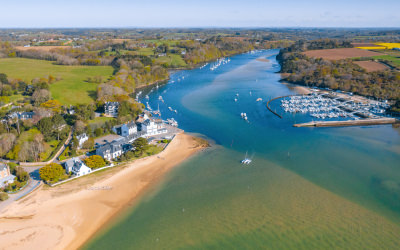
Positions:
{"x": 201, "y": 13}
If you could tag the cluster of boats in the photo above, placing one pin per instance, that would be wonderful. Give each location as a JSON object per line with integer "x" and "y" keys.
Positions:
{"x": 172, "y": 122}
{"x": 244, "y": 116}
{"x": 323, "y": 107}
{"x": 219, "y": 62}
{"x": 316, "y": 105}
{"x": 173, "y": 110}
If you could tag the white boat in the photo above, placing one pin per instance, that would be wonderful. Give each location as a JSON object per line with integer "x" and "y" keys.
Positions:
{"x": 235, "y": 99}
{"x": 246, "y": 160}
{"x": 259, "y": 100}
{"x": 147, "y": 97}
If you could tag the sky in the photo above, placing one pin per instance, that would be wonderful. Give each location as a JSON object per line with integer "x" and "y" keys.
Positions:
{"x": 201, "y": 13}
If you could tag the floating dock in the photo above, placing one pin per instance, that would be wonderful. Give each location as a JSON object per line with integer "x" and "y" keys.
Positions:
{"x": 361, "y": 122}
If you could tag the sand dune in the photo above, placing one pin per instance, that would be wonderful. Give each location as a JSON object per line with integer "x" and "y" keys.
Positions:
{"x": 66, "y": 216}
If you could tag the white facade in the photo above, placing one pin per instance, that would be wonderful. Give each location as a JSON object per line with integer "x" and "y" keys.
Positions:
{"x": 76, "y": 167}
{"x": 81, "y": 139}
{"x": 151, "y": 127}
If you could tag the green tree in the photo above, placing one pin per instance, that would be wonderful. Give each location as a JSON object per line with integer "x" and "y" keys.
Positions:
{"x": 140, "y": 145}
{"x": 45, "y": 125}
{"x": 3, "y": 78}
{"x": 52, "y": 172}
{"x": 94, "y": 161}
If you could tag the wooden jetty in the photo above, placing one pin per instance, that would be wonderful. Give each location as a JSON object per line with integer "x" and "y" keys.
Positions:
{"x": 361, "y": 122}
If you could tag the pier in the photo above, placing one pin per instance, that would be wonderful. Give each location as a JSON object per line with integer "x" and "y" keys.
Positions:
{"x": 362, "y": 122}
{"x": 276, "y": 98}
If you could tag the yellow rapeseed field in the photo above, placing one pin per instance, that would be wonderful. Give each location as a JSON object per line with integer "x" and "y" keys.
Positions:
{"x": 382, "y": 46}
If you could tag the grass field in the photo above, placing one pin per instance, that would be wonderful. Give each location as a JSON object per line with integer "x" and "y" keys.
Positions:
{"x": 173, "y": 60}
{"x": 72, "y": 89}
{"x": 394, "y": 60}
{"x": 100, "y": 120}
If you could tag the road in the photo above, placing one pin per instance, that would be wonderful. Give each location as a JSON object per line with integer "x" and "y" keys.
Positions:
{"x": 34, "y": 182}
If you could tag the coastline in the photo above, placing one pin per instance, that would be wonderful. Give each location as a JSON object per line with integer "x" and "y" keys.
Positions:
{"x": 67, "y": 216}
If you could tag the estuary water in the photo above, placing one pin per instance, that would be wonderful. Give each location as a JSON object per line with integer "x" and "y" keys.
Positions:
{"x": 306, "y": 187}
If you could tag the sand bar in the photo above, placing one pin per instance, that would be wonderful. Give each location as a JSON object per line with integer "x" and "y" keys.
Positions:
{"x": 66, "y": 216}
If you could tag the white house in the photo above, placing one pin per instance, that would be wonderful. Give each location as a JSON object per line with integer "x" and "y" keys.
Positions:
{"x": 126, "y": 129}
{"x": 153, "y": 127}
{"x": 111, "y": 109}
{"x": 5, "y": 176}
{"x": 81, "y": 139}
{"x": 76, "y": 167}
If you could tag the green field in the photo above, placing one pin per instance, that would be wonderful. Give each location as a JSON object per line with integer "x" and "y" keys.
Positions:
{"x": 71, "y": 90}
{"x": 172, "y": 59}
{"x": 394, "y": 60}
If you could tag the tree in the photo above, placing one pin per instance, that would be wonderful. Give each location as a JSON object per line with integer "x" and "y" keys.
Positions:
{"x": 45, "y": 125}
{"x": 79, "y": 127}
{"x": 52, "y": 172}
{"x": 54, "y": 105}
{"x": 21, "y": 174}
{"x": 140, "y": 145}
{"x": 40, "y": 96}
{"x": 89, "y": 144}
{"x": 7, "y": 141}
{"x": 3, "y": 78}
{"x": 94, "y": 162}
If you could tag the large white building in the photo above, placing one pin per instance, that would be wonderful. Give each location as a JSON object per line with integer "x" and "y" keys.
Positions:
{"x": 125, "y": 129}
{"x": 153, "y": 127}
{"x": 76, "y": 167}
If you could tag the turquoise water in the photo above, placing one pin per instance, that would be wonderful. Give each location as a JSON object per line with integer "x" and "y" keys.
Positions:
{"x": 196, "y": 206}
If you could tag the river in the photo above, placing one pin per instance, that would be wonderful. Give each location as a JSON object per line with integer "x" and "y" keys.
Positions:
{"x": 306, "y": 187}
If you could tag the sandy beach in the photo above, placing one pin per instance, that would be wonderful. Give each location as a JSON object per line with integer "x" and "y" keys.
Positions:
{"x": 66, "y": 216}
{"x": 298, "y": 88}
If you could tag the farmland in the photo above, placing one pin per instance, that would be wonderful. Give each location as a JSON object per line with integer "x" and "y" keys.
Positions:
{"x": 42, "y": 48}
{"x": 339, "y": 54}
{"x": 371, "y": 66}
{"x": 72, "y": 89}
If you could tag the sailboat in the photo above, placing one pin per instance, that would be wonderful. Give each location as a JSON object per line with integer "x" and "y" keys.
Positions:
{"x": 246, "y": 160}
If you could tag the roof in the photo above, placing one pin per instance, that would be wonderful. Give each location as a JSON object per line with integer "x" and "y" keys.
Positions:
{"x": 75, "y": 164}
{"x": 106, "y": 139}
{"x": 3, "y": 166}
{"x": 111, "y": 146}
{"x": 81, "y": 136}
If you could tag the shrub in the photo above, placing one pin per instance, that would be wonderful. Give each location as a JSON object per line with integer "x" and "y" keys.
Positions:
{"x": 94, "y": 162}
{"x": 3, "y": 196}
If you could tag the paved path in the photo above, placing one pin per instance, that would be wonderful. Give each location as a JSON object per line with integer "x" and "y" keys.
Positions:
{"x": 33, "y": 183}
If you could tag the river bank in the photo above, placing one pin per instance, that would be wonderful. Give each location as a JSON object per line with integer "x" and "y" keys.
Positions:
{"x": 65, "y": 217}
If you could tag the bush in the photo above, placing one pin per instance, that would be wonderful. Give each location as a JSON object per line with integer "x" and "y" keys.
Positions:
{"x": 52, "y": 172}
{"x": 3, "y": 196}
{"x": 95, "y": 161}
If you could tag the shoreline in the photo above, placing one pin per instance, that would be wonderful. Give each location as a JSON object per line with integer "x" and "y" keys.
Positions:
{"x": 69, "y": 215}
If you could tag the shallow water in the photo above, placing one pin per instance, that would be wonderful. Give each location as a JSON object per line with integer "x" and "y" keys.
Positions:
{"x": 306, "y": 187}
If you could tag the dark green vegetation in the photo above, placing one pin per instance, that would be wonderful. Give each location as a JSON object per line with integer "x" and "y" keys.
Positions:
{"x": 22, "y": 178}
{"x": 141, "y": 148}
{"x": 341, "y": 74}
